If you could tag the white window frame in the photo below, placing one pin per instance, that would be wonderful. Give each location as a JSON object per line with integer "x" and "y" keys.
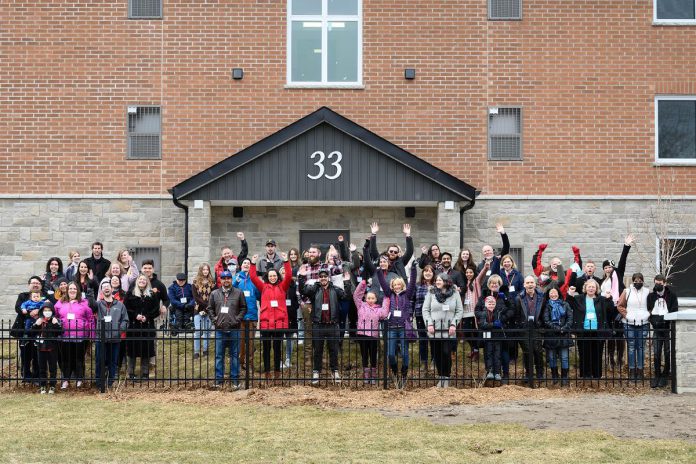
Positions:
{"x": 324, "y": 18}
{"x": 657, "y": 258}
{"x": 666, "y": 161}
{"x": 672, "y": 22}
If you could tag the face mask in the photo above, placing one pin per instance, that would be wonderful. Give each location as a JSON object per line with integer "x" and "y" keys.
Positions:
{"x": 638, "y": 285}
{"x": 544, "y": 277}
{"x": 47, "y": 314}
{"x": 659, "y": 287}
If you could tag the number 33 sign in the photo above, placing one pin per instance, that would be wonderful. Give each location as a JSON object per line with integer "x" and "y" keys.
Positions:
{"x": 320, "y": 164}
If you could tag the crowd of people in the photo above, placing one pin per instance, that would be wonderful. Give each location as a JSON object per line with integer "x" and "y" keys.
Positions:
{"x": 433, "y": 300}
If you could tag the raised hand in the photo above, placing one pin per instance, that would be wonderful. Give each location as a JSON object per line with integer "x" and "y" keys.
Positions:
{"x": 352, "y": 247}
{"x": 576, "y": 250}
{"x": 407, "y": 229}
{"x": 303, "y": 270}
{"x": 543, "y": 246}
{"x": 374, "y": 228}
{"x": 284, "y": 256}
{"x": 254, "y": 259}
{"x": 240, "y": 235}
{"x": 499, "y": 227}
{"x": 630, "y": 240}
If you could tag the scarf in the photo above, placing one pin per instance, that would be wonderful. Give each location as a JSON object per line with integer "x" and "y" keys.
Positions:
{"x": 557, "y": 310}
{"x": 441, "y": 296}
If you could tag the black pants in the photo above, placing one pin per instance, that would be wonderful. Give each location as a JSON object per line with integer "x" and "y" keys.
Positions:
{"x": 48, "y": 364}
{"x": 537, "y": 354}
{"x": 422, "y": 340}
{"x": 442, "y": 348}
{"x": 661, "y": 345}
{"x": 30, "y": 368}
{"x": 325, "y": 333}
{"x": 468, "y": 328}
{"x": 269, "y": 337}
{"x": 368, "y": 350}
{"x": 72, "y": 355}
{"x": 590, "y": 350}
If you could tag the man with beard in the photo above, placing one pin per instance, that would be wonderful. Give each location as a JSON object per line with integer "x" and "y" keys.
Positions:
{"x": 397, "y": 264}
{"x": 457, "y": 277}
{"x": 97, "y": 263}
{"x": 228, "y": 261}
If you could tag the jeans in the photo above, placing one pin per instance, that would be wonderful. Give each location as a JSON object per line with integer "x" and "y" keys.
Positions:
{"x": 636, "y": 336}
{"x": 661, "y": 343}
{"x": 397, "y": 336}
{"x": 111, "y": 350}
{"x": 554, "y": 354}
{"x": 202, "y": 325}
{"x": 227, "y": 340}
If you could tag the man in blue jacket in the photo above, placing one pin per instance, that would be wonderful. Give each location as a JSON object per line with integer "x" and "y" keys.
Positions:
{"x": 243, "y": 282}
{"x": 180, "y": 295}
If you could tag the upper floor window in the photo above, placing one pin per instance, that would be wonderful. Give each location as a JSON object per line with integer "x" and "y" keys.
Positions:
{"x": 144, "y": 130}
{"x": 675, "y": 123}
{"x": 675, "y": 11}
{"x": 324, "y": 43}
{"x": 145, "y": 9}
{"x": 504, "y": 9}
{"x": 504, "y": 134}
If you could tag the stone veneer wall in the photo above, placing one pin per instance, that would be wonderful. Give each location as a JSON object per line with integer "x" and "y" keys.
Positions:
{"x": 33, "y": 230}
{"x": 686, "y": 356}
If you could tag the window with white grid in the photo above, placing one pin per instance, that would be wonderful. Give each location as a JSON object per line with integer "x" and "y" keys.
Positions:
{"x": 144, "y": 9}
{"x": 674, "y": 11}
{"x": 505, "y": 133}
{"x": 504, "y": 9}
{"x": 144, "y": 131}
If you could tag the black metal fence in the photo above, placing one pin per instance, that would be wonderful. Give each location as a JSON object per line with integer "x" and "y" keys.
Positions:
{"x": 166, "y": 358}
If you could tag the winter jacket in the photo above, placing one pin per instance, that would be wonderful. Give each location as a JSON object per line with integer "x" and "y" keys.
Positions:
{"x": 181, "y": 298}
{"x": 140, "y": 335}
{"x": 560, "y": 277}
{"x": 604, "y": 308}
{"x": 369, "y": 315}
{"x": 71, "y": 271}
{"x": 633, "y": 306}
{"x": 77, "y": 319}
{"x": 314, "y": 293}
{"x": 616, "y": 284}
{"x": 242, "y": 281}
{"x": 47, "y": 334}
{"x": 559, "y": 323}
{"x": 471, "y": 296}
{"x": 99, "y": 267}
{"x": 503, "y": 312}
{"x": 48, "y": 280}
{"x": 221, "y": 266}
{"x": 443, "y": 315}
{"x": 495, "y": 264}
{"x": 522, "y": 311}
{"x": 234, "y": 302}
{"x": 398, "y": 266}
{"x": 265, "y": 264}
{"x": 657, "y": 304}
{"x": 400, "y": 304}
{"x": 513, "y": 282}
{"x": 159, "y": 291}
{"x": 274, "y": 309}
{"x": 114, "y": 317}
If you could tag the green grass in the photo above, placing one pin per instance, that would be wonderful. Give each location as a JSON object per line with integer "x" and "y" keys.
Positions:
{"x": 91, "y": 429}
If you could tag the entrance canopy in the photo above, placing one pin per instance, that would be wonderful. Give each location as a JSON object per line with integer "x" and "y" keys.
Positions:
{"x": 323, "y": 157}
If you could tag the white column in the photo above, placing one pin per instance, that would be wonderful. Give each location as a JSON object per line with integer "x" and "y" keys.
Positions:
{"x": 685, "y": 321}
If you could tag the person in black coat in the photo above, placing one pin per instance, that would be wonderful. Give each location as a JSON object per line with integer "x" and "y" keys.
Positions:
{"x": 46, "y": 331}
{"x": 592, "y": 314}
{"x": 143, "y": 308}
{"x": 661, "y": 301}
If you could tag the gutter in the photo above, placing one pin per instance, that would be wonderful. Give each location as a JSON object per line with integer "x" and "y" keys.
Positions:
{"x": 178, "y": 204}
{"x": 463, "y": 210}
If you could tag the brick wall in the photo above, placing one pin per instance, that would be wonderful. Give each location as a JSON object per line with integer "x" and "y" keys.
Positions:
{"x": 585, "y": 72}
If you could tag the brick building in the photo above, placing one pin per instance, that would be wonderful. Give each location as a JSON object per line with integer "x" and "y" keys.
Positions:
{"x": 570, "y": 118}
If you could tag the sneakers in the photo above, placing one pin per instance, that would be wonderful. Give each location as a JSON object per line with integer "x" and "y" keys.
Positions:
{"x": 79, "y": 383}
{"x": 196, "y": 355}
{"x": 315, "y": 377}
{"x": 205, "y": 352}
{"x": 64, "y": 385}
{"x": 490, "y": 376}
{"x": 43, "y": 390}
{"x": 236, "y": 387}
{"x": 445, "y": 382}
{"x": 51, "y": 391}
{"x": 286, "y": 364}
{"x": 498, "y": 377}
{"x": 336, "y": 377}
{"x": 301, "y": 342}
{"x": 217, "y": 385}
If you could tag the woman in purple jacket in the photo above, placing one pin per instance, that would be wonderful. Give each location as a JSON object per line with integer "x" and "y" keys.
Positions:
{"x": 399, "y": 323}
{"x": 77, "y": 319}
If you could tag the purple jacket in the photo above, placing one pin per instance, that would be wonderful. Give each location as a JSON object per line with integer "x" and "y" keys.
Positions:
{"x": 400, "y": 302}
{"x": 76, "y": 318}
{"x": 369, "y": 315}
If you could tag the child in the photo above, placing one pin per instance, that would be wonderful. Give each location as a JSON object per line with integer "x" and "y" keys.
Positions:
{"x": 35, "y": 301}
{"x": 490, "y": 320}
{"x": 47, "y": 329}
{"x": 369, "y": 315}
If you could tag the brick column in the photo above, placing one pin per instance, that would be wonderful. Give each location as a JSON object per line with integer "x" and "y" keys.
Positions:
{"x": 448, "y": 229}
{"x": 199, "y": 237}
{"x": 685, "y": 321}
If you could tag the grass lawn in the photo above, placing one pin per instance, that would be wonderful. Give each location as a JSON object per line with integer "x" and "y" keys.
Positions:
{"x": 81, "y": 428}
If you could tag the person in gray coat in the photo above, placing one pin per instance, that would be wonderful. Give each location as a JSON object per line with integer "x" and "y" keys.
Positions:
{"x": 112, "y": 322}
{"x": 442, "y": 311}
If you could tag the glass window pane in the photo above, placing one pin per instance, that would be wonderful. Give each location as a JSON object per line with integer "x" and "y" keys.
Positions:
{"x": 306, "y": 51}
{"x": 306, "y": 7}
{"x": 675, "y": 9}
{"x": 683, "y": 278}
{"x": 676, "y": 129}
{"x": 343, "y": 7}
{"x": 343, "y": 51}
{"x": 506, "y": 122}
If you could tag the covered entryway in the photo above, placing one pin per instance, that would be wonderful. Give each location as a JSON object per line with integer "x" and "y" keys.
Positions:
{"x": 321, "y": 173}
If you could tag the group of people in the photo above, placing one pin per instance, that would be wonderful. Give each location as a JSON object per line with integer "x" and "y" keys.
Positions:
{"x": 433, "y": 300}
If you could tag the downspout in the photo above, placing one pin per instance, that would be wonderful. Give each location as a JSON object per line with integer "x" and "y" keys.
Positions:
{"x": 463, "y": 210}
{"x": 178, "y": 204}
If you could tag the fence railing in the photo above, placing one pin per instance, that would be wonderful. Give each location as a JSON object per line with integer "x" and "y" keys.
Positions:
{"x": 388, "y": 357}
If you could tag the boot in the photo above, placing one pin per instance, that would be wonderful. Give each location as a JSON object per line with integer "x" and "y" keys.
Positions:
{"x": 639, "y": 375}
{"x": 445, "y": 382}
{"x": 631, "y": 375}
{"x": 438, "y": 384}
{"x": 655, "y": 382}
{"x": 267, "y": 375}
{"x": 366, "y": 375}
{"x": 131, "y": 368}
{"x": 564, "y": 378}
{"x": 403, "y": 379}
{"x": 276, "y": 378}
{"x": 373, "y": 376}
{"x": 554, "y": 375}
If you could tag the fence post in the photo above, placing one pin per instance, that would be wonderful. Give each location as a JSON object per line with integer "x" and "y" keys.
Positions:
{"x": 385, "y": 359}
{"x": 102, "y": 357}
{"x": 246, "y": 354}
{"x": 530, "y": 352}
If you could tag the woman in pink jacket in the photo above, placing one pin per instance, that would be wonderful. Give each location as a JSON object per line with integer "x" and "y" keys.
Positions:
{"x": 77, "y": 319}
{"x": 369, "y": 315}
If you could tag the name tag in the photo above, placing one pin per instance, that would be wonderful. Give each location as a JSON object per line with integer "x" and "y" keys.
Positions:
{"x": 107, "y": 318}
{"x": 224, "y": 310}
{"x": 324, "y": 307}
{"x": 288, "y": 303}
{"x": 486, "y": 335}
{"x": 511, "y": 288}
{"x": 488, "y": 272}
{"x": 71, "y": 316}
{"x": 397, "y": 313}
{"x": 591, "y": 316}
{"x": 467, "y": 301}
{"x": 184, "y": 300}
{"x": 274, "y": 303}
{"x": 311, "y": 281}
{"x": 530, "y": 318}
{"x": 50, "y": 292}
{"x": 247, "y": 293}
{"x": 359, "y": 279}
{"x": 84, "y": 295}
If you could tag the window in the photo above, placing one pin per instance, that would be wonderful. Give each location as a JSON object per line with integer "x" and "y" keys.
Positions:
{"x": 140, "y": 254}
{"x": 682, "y": 277}
{"x": 504, "y": 9}
{"x": 324, "y": 43}
{"x": 675, "y": 122}
{"x": 145, "y": 9}
{"x": 517, "y": 254}
{"x": 505, "y": 134}
{"x": 144, "y": 132}
{"x": 675, "y": 11}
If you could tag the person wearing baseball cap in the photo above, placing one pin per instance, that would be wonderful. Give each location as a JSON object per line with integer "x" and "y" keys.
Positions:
{"x": 271, "y": 260}
{"x": 180, "y": 295}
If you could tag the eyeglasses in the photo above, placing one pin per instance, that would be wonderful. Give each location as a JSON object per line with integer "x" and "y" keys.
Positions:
{"x": 393, "y": 252}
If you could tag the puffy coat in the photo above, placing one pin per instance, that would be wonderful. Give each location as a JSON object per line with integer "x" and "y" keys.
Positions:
{"x": 442, "y": 315}
{"x": 242, "y": 281}
{"x": 369, "y": 315}
{"x": 274, "y": 309}
{"x": 559, "y": 324}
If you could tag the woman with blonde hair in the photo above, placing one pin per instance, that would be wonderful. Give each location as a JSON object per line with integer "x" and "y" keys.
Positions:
{"x": 129, "y": 271}
{"x": 203, "y": 285}
{"x": 143, "y": 308}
